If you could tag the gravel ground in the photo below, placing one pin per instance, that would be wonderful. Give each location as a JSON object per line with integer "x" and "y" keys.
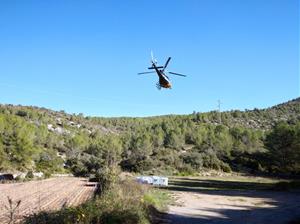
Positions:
{"x": 234, "y": 207}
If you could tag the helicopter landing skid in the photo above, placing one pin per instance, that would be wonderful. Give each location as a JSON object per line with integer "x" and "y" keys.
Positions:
{"x": 158, "y": 86}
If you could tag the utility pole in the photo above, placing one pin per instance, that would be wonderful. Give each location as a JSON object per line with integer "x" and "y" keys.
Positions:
{"x": 219, "y": 110}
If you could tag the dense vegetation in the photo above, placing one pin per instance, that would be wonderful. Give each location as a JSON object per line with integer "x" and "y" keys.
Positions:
{"x": 39, "y": 139}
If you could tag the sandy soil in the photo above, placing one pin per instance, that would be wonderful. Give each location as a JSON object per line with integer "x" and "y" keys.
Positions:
{"x": 224, "y": 206}
{"x": 43, "y": 195}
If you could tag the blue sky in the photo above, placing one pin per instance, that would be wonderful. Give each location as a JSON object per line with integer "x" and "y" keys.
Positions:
{"x": 83, "y": 56}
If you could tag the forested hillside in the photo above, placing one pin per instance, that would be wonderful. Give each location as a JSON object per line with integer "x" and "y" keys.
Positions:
{"x": 256, "y": 140}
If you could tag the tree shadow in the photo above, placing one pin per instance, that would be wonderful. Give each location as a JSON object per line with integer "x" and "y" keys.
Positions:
{"x": 194, "y": 184}
{"x": 91, "y": 184}
{"x": 272, "y": 206}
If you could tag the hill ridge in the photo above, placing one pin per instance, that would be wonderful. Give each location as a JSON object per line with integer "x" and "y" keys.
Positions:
{"x": 33, "y": 138}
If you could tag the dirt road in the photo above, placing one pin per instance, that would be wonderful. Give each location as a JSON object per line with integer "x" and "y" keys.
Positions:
{"x": 212, "y": 206}
{"x": 49, "y": 194}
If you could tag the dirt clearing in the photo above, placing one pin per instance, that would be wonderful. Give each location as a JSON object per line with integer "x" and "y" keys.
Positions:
{"x": 210, "y": 202}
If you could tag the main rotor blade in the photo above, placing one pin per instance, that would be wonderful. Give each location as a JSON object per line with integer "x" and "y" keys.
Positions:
{"x": 167, "y": 62}
{"x": 153, "y": 60}
{"x": 156, "y": 67}
{"x": 141, "y": 73}
{"x": 174, "y": 73}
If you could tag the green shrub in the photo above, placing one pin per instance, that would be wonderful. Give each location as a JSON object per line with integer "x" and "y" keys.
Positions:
{"x": 106, "y": 179}
{"x": 47, "y": 174}
{"x": 185, "y": 170}
{"x": 29, "y": 175}
{"x": 225, "y": 167}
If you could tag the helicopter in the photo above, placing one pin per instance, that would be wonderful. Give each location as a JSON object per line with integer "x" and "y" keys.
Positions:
{"x": 164, "y": 81}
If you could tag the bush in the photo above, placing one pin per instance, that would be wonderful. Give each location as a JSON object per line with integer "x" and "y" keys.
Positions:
{"x": 186, "y": 170}
{"x": 225, "y": 167}
{"x": 21, "y": 113}
{"x": 29, "y": 175}
{"x": 194, "y": 159}
{"x": 47, "y": 174}
{"x": 106, "y": 179}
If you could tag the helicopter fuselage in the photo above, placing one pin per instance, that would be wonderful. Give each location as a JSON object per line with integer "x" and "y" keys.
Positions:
{"x": 164, "y": 81}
